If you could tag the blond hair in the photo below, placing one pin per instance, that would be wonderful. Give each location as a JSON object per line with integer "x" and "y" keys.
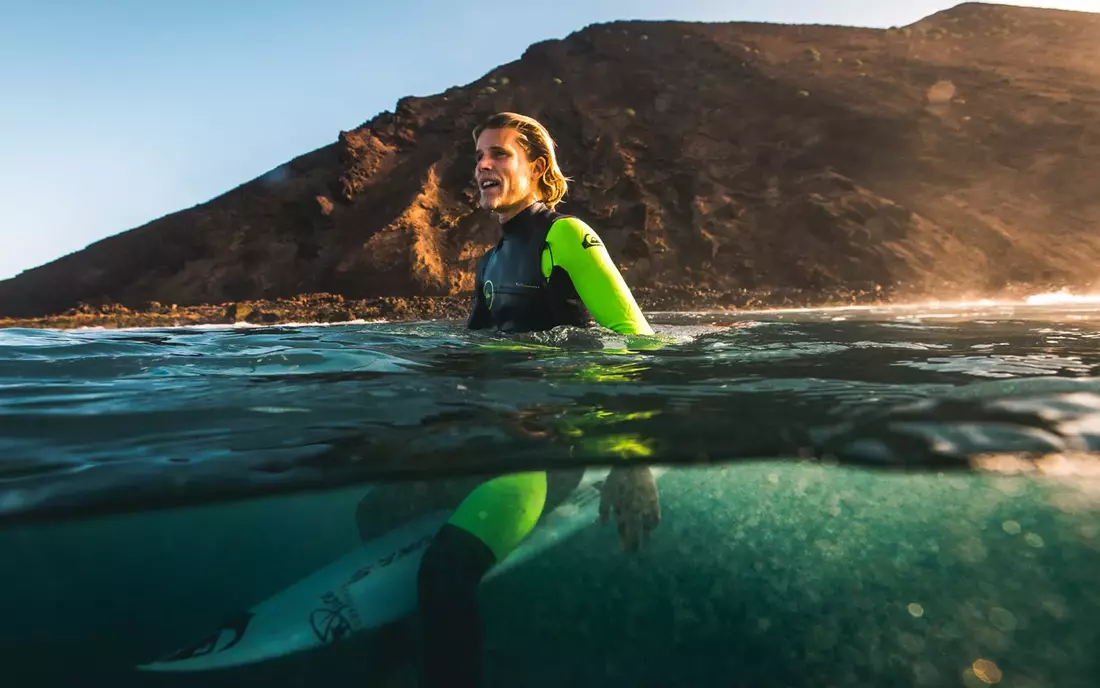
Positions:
{"x": 537, "y": 143}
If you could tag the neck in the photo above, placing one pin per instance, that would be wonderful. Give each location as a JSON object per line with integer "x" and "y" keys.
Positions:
{"x": 505, "y": 214}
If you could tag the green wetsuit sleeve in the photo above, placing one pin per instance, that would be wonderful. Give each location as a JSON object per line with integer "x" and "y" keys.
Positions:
{"x": 503, "y": 511}
{"x": 576, "y": 248}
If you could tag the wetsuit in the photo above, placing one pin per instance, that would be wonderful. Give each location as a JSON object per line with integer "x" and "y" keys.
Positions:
{"x": 548, "y": 269}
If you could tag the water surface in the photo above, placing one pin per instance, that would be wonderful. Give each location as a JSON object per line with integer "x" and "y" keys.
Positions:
{"x": 855, "y": 497}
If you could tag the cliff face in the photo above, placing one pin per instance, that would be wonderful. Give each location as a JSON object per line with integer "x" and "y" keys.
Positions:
{"x": 961, "y": 153}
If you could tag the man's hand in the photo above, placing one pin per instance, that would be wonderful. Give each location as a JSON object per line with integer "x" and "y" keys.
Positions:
{"x": 632, "y": 493}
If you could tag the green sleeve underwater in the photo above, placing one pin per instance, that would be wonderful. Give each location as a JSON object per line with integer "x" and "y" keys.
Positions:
{"x": 577, "y": 249}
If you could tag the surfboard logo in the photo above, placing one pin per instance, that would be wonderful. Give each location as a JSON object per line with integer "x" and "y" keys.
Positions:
{"x": 364, "y": 571}
{"x": 330, "y": 623}
{"x": 219, "y": 641}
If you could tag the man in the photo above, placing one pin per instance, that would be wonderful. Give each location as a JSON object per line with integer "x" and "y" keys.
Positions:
{"x": 547, "y": 270}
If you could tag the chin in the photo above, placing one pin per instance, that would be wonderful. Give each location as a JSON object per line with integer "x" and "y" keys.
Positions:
{"x": 493, "y": 203}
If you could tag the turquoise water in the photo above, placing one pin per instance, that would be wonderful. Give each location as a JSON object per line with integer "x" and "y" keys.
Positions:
{"x": 852, "y": 497}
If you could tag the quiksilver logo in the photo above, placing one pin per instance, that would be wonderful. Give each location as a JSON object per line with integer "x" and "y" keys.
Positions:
{"x": 487, "y": 291}
{"x": 589, "y": 241}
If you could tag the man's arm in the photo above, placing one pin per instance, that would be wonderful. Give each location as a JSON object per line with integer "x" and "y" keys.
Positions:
{"x": 577, "y": 249}
{"x": 630, "y": 491}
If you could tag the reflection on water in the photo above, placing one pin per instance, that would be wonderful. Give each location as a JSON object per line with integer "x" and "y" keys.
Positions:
{"x": 98, "y": 421}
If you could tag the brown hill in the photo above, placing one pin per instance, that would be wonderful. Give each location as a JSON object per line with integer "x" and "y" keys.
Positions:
{"x": 959, "y": 154}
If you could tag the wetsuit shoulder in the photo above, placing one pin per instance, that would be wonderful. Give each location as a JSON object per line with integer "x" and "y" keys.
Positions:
{"x": 576, "y": 248}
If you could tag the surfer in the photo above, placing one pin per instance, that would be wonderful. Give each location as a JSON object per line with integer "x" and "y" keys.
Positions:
{"x": 547, "y": 269}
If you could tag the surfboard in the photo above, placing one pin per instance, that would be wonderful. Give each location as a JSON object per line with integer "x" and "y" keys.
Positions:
{"x": 371, "y": 586}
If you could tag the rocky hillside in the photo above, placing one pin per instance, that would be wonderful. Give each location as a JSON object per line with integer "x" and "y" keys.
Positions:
{"x": 959, "y": 154}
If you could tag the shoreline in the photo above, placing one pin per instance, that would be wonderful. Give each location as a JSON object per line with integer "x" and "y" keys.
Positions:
{"x": 333, "y": 308}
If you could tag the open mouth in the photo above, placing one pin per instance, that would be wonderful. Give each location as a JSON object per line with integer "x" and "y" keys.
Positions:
{"x": 489, "y": 184}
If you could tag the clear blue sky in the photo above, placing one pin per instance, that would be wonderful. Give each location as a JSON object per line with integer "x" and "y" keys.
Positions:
{"x": 116, "y": 112}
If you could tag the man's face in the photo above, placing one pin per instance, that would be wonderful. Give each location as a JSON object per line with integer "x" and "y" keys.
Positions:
{"x": 506, "y": 179}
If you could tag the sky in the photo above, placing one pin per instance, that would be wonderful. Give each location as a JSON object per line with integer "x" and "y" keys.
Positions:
{"x": 116, "y": 112}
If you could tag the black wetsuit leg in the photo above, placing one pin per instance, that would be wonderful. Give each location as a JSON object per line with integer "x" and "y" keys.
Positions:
{"x": 450, "y": 573}
{"x": 447, "y": 583}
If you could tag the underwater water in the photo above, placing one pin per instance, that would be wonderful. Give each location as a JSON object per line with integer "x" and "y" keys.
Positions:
{"x": 851, "y": 497}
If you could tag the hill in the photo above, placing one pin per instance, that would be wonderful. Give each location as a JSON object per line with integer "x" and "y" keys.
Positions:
{"x": 956, "y": 155}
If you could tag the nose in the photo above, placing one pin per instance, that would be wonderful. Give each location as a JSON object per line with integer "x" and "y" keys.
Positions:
{"x": 484, "y": 163}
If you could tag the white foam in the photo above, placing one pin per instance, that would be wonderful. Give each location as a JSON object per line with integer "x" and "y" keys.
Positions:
{"x": 213, "y": 326}
{"x": 1059, "y": 297}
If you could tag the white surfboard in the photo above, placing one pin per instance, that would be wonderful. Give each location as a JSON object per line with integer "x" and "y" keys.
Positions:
{"x": 369, "y": 587}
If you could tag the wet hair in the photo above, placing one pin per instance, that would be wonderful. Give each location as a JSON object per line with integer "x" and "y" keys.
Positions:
{"x": 537, "y": 143}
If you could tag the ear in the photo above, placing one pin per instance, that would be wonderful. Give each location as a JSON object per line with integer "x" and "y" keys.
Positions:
{"x": 538, "y": 168}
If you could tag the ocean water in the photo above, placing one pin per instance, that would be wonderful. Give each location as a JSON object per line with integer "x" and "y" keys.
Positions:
{"x": 903, "y": 496}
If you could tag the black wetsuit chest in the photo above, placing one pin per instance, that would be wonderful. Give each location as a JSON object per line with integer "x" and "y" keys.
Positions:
{"x": 516, "y": 294}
